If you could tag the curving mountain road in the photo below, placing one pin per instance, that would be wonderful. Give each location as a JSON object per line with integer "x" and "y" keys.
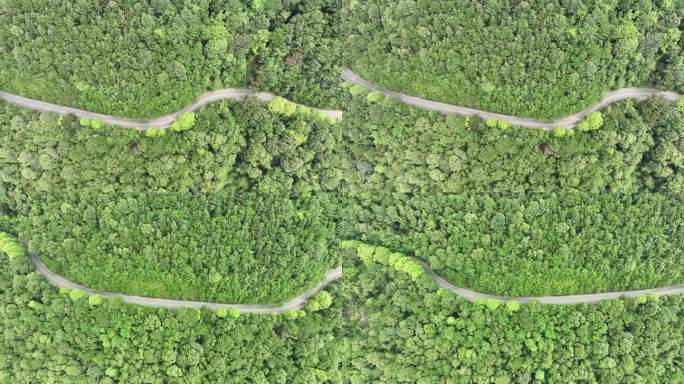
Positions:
{"x": 566, "y": 122}
{"x": 296, "y": 303}
{"x": 347, "y": 75}
{"x": 566, "y": 299}
{"x": 141, "y": 125}
{"x": 299, "y": 301}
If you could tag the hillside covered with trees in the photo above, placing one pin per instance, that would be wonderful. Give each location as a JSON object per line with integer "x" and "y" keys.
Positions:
{"x": 233, "y": 145}
{"x": 532, "y": 58}
{"x": 533, "y": 244}
{"x": 167, "y": 215}
{"x": 251, "y": 202}
{"x": 220, "y": 247}
{"x": 410, "y": 331}
{"x": 395, "y": 176}
{"x": 146, "y": 59}
{"x": 382, "y": 326}
{"x": 58, "y": 337}
{"x": 391, "y": 147}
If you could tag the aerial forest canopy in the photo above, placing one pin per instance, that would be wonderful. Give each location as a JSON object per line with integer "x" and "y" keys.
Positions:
{"x": 388, "y": 146}
{"x": 412, "y": 332}
{"x": 533, "y": 244}
{"x": 233, "y": 146}
{"x": 381, "y": 327}
{"x": 533, "y": 58}
{"x": 226, "y": 211}
{"x": 145, "y": 59}
{"x": 252, "y": 202}
{"x": 229, "y": 247}
{"x": 386, "y": 173}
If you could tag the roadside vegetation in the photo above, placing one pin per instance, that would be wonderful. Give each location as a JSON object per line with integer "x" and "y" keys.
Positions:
{"x": 408, "y": 330}
{"x": 396, "y": 176}
{"x": 544, "y": 59}
{"x": 251, "y": 202}
{"x": 229, "y": 210}
{"x": 232, "y": 146}
{"x": 52, "y": 336}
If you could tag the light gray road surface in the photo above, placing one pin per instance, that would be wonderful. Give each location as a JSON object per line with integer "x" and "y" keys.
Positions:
{"x": 332, "y": 275}
{"x": 566, "y": 122}
{"x": 162, "y": 122}
{"x": 348, "y": 75}
{"x": 568, "y": 299}
{"x": 296, "y": 303}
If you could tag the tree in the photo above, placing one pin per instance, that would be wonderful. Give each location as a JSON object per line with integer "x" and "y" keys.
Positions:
{"x": 512, "y": 306}
{"x": 96, "y": 123}
{"x": 503, "y": 124}
{"x": 77, "y": 294}
{"x": 155, "y": 132}
{"x": 280, "y": 106}
{"x": 95, "y": 299}
{"x": 217, "y": 39}
{"x": 234, "y": 313}
{"x": 358, "y": 90}
{"x": 375, "y": 97}
{"x": 184, "y": 122}
{"x": 593, "y": 121}
{"x": 321, "y": 300}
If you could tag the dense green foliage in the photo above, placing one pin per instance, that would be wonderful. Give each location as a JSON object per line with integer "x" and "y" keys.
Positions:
{"x": 238, "y": 245}
{"x": 147, "y": 58}
{"x": 51, "y": 337}
{"x": 390, "y": 147}
{"x": 534, "y": 58}
{"x": 534, "y": 244}
{"x": 231, "y": 146}
{"x": 11, "y": 247}
{"x": 382, "y": 255}
{"x": 406, "y": 331}
{"x": 386, "y": 147}
{"x": 247, "y": 202}
{"x": 221, "y": 247}
{"x": 381, "y": 327}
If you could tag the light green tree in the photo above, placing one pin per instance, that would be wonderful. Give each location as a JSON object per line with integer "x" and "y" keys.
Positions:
{"x": 358, "y": 90}
{"x": 375, "y": 97}
{"x": 95, "y": 300}
{"x": 184, "y": 122}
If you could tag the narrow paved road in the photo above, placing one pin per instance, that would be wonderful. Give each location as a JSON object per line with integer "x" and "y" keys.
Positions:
{"x": 332, "y": 275}
{"x": 567, "y": 299}
{"x": 162, "y": 122}
{"x": 296, "y": 303}
{"x": 566, "y": 122}
{"x": 348, "y": 75}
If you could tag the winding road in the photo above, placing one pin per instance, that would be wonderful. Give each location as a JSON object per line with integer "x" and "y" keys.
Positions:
{"x": 162, "y": 122}
{"x": 297, "y": 302}
{"x": 566, "y": 299}
{"x": 566, "y": 122}
{"x": 347, "y": 75}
